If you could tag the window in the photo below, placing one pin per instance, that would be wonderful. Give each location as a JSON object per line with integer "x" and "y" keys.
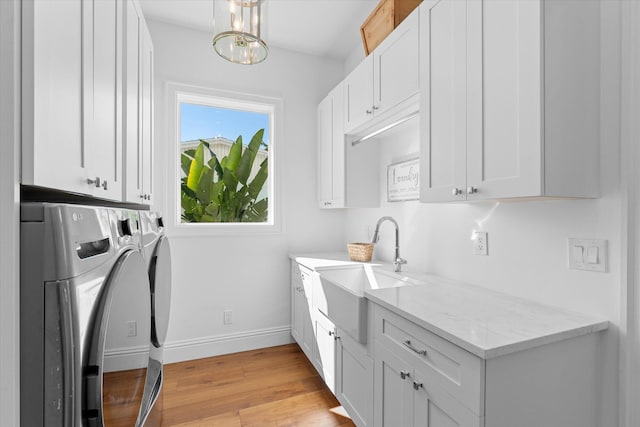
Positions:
{"x": 224, "y": 156}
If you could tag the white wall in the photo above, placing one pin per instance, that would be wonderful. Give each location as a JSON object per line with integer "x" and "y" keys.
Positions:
{"x": 527, "y": 241}
{"x": 9, "y": 209}
{"x": 246, "y": 274}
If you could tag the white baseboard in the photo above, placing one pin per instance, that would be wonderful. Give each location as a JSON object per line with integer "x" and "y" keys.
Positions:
{"x": 122, "y": 359}
{"x": 179, "y": 351}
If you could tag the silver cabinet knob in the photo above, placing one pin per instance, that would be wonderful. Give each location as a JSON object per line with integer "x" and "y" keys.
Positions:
{"x": 104, "y": 185}
{"x": 95, "y": 182}
{"x": 472, "y": 190}
{"x": 375, "y": 107}
{"x": 369, "y": 111}
{"x": 417, "y": 386}
{"x": 456, "y": 191}
{"x": 404, "y": 375}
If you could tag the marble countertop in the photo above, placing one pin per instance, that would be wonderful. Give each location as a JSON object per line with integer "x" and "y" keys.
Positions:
{"x": 325, "y": 259}
{"x": 484, "y": 322}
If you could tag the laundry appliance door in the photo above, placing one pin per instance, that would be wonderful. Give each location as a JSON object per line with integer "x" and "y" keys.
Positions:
{"x": 160, "y": 278}
{"x": 119, "y": 352}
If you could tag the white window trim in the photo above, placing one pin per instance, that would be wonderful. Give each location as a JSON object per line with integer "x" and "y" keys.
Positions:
{"x": 178, "y": 92}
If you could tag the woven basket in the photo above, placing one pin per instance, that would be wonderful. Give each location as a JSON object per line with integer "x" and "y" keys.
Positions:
{"x": 360, "y": 251}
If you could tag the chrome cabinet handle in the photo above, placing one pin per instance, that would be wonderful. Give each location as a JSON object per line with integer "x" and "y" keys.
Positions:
{"x": 456, "y": 191}
{"x": 404, "y": 375}
{"x": 472, "y": 190}
{"x": 95, "y": 182}
{"x": 375, "y": 107}
{"x": 408, "y": 344}
{"x": 369, "y": 111}
{"x": 334, "y": 334}
{"x": 104, "y": 185}
{"x": 417, "y": 386}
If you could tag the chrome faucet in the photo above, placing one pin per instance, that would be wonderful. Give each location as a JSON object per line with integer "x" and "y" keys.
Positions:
{"x": 398, "y": 261}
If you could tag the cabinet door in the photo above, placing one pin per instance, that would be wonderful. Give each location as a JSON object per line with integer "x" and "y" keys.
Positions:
{"x": 325, "y": 355}
{"x": 434, "y": 407}
{"x": 297, "y": 306}
{"x": 504, "y": 98}
{"x": 53, "y": 141}
{"x": 354, "y": 380}
{"x": 102, "y": 91}
{"x": 132, "y": 104}
{"x": 443, "y": 101}
{"x": 396, "y": 74}
{"x": 301, "y": 323}
{"x": 393, "y": 394}
{"x": 331, "y": 151}
{"x": 147, "y": 114}
{"x": 358, "y": 95}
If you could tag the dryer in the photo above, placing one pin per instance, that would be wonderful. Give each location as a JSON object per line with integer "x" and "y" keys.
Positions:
{"x": 157, "y": 255}
{"x": 75, "y": 261}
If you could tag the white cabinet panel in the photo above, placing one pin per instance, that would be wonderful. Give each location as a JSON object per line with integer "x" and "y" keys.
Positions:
{"x": 103, "y": 87}
{"x": 301, "y": 323}
{"x": 358, "y": 95}
{"x": 331, "y": 150}
{"x": 394, "y": 402}
{"x": 53, "y": 141}
{"x": 147, "y": 115}
{"x": 396, "y": 68}
{"x": 354, "y": 380}
{"x": 505, "y": 99}
{"x": 443, "y": 103}
{"x": 325, "y": 355}
{"x": 138, "y": 107}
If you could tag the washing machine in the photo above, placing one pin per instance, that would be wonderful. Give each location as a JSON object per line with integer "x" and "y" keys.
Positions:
{"x": 157, "y": 254}
{"x": 77, "y": 264}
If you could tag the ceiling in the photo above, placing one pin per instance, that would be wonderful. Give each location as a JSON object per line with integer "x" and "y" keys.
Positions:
{"x": 319, "y": 27}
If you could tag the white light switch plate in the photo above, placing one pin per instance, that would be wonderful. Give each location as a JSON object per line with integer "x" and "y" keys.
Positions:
{"x": 588, "y": 254}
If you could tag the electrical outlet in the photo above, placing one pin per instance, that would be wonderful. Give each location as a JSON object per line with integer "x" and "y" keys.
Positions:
{"x": 132, "y": 328}
{"x": 480, "y": 246}
{"x": 227, "y": 317}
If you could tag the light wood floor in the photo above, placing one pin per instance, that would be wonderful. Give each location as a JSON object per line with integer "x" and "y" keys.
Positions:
{"x": 271, "y": 387}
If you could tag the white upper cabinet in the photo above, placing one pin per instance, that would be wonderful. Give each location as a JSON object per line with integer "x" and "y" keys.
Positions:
{"x": 53, "y": 136}
{"x": 443, "y": 100}
{"x": 386, "y": 78}
{"x": 523, "y": 120}
{"x": 102, "y": 52}
{"x": 147, "y": 116}
{"x": 331, "y": 151}
{"x": 138, "y": 107}
{"x": 76, "y": 88}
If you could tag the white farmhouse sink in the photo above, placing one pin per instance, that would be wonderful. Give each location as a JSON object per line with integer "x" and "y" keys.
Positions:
{"x": 338, "y": 292}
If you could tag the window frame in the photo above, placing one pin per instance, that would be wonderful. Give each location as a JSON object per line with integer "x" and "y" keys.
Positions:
{"x": 180, "y": 93}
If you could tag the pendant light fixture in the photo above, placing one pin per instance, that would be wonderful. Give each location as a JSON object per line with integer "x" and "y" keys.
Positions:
{"x": 237, "y": 29}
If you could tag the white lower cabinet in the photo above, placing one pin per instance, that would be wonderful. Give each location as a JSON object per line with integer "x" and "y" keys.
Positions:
{"x": 324, "y": 358}
{"x": 406, "y": 397}
{"x": 354, "y": 379}
{"x": 345, "y": 365}
{"x": 422, "y": 379}
{"x": 301, "y": 323}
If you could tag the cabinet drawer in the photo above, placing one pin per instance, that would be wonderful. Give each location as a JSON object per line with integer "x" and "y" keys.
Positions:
{"x": 458, "y": 372}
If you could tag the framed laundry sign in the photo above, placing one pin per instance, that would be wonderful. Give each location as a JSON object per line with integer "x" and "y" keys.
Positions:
{"x": 403, "y": 180}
